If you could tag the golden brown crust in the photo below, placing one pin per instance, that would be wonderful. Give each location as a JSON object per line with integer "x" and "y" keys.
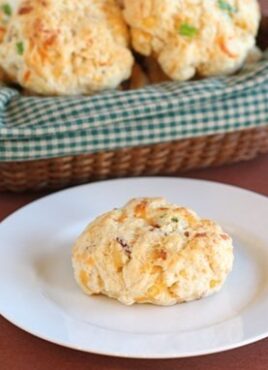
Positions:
{"x": 188, "y": 37}
{"x": 65, "y": 47}
{"x": 151, "y": 251}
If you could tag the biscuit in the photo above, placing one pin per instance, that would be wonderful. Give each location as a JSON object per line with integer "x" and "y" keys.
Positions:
{"x": 154, "y": 252}
{"x": 66, "y": 47}
{"x": 194, "y": 37}
{"x": 7, "y": 9}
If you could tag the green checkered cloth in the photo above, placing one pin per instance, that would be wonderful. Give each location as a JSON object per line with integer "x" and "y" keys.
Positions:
{"x": 36, "y": 128}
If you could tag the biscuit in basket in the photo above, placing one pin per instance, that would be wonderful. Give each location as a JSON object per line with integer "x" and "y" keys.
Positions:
{"x": 190, "y": 37}
{"x": 151, "y": 251}
{"x": 67, "y": 47}
{"x": 7, "y": 9}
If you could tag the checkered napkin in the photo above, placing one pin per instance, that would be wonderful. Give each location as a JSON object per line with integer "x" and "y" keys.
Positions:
{"x": 37, "y": 128}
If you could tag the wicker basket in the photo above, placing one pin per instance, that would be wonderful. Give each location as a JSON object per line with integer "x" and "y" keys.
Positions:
{"x": 164, "y": 159}
{"x": 160, "y": 159}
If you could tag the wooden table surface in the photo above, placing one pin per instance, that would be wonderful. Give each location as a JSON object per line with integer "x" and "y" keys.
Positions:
{"x": 22, "y": 351}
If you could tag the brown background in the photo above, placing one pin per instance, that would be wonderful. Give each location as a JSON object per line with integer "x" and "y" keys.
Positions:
{"x": 22, "y": 351}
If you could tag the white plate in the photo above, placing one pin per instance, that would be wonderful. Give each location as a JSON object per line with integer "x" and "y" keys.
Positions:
{"x": 38, "y": 292}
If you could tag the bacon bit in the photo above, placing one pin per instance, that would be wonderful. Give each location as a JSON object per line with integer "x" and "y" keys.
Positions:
{"x": 225, "y": 49}
{"x": 125, "y": 246}
{"x": 224, "y": 236}
{"x": 140, "y": 209}
{"x": 200, "y": 235}
{"x": 155, "y": 226}
{"x": 160, "y": 254}
{"x": 187, "y": 234}
{"x": 25, "y": 10}
{"x": 26, "y": 76}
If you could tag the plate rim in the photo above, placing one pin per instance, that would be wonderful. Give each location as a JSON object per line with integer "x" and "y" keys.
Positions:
{"x": 219, "y": 349}
{"x": 140, "y": 178}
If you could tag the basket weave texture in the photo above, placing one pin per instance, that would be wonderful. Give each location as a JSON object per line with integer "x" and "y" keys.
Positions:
{"x": 165, "y": 159}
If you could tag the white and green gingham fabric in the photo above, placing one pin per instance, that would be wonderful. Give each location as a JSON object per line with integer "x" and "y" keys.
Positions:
{"x": 35, "y": 127}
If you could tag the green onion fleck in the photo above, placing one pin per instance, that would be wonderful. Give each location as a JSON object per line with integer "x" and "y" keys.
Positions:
{"x": 188, "y": 30}
{"x": 20, "y": 48}
{"x": 175, "y": 219}
{"x": 224, "y": 5}
{"x": 6, "y": 8}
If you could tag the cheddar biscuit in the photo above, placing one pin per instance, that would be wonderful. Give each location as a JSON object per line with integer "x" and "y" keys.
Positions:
{"x": 194, "y": 37}
{"x": 151, "y": 251}
{"x": 7, "y": 9}
{"x": 67, "y": 47}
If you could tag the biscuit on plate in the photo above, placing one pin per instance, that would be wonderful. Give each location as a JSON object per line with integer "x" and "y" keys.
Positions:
{"x": 67, "y": 47}
{"x": 151, "y": 251}
{"x": 194, "y": 37}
